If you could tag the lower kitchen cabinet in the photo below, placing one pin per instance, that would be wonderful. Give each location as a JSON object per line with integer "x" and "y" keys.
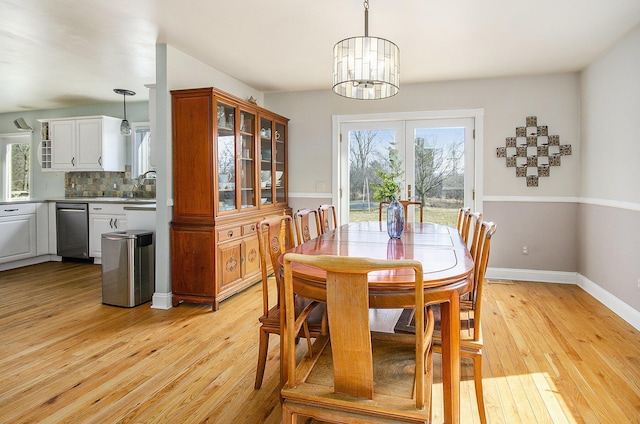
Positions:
{"x": 17, "y": 232}
{"x": 104, "y": 218}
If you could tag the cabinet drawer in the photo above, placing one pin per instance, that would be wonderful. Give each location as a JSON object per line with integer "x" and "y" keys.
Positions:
{"x": 249, "y": 229}
{"x": 106, "y": 208}
{"x": 229, "y": 234}
{"x": 18, "y": 209}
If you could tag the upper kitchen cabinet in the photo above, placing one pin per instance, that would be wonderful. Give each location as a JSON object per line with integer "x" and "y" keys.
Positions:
{"x": 82, "y": 144}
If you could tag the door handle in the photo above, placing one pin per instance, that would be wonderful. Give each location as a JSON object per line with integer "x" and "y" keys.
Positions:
{"x": 111, "y": 223}
{"x": 73, "y": 161}
{"x": 100, "y": 161}
{"x": 115, "y": 223}
{"x": 409, "y": 192}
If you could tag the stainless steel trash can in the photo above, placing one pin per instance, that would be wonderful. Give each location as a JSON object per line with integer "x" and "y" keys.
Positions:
{"x": 128, "y": 267}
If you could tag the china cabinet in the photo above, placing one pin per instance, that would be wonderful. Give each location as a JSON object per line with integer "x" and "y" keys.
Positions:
{"x": 229, "y": 173}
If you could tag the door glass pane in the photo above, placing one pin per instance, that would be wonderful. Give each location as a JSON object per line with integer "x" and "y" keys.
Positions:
{"x": 226, "y": 155}
{"x": 438, "y": 177}
{"x": 368, "y": 155}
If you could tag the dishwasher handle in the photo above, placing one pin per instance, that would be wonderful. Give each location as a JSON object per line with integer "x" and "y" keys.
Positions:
{"x": 71, "y": 210}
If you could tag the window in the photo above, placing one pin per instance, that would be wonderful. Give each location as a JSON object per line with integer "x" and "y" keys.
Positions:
{"x": 16, "y": 161}
{"x": 141, "y": 143}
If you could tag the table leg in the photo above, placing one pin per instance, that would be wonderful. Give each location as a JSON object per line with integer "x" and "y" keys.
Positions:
{"x": 451, "y": 358}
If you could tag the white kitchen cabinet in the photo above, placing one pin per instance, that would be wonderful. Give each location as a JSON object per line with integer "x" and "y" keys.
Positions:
{"x": 104, "y": 218}
{"x": 17, "y": 232}
{"x": 82, "y": 144}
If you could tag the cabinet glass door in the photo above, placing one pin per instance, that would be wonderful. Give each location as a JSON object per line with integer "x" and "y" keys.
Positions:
{"x": 226, "y": 149}
{"x": 247, "y": 160}
{"x": 267, "y": 170}
{"x": 279, "y": 162}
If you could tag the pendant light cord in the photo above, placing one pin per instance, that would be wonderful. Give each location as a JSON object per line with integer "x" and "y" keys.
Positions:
{"x": 366, "y": 18}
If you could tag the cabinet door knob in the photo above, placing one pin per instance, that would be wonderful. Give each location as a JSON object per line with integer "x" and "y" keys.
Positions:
{"x": 230, "y": 233}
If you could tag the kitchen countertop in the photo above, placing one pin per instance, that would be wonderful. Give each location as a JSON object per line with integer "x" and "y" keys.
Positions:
{"x": 127, "y": 200}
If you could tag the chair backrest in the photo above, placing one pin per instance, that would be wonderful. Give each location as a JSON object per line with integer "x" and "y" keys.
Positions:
{"x": 487, "y": 229}
{"x": 348, "y": 313}
{"x": 275, "y": 235}
{"x": 462, "y": 216}
{"x": 328, "y": 218}
{"x": 304, "y": 230}
{"x": 405, "y": 204}
{"x": 473, "y": 233}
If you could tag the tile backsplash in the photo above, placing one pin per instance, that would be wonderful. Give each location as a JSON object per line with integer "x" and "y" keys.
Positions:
{"x": 108, "y": 184}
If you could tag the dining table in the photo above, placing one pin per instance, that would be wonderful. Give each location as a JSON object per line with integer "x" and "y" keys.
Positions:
{"x": 447, "y": 274}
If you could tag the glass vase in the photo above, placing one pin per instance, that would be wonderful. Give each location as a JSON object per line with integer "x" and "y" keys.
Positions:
{"x": 395, "y": 219}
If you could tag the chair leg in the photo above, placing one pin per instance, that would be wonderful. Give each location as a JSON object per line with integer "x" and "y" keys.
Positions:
{"x": 288, "y": 417}
{"x": 263, "y": 348}
{"x": 477, "y": 378}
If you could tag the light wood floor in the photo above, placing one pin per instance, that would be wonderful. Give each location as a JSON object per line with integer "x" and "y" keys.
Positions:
{"x": 553, "y": 355}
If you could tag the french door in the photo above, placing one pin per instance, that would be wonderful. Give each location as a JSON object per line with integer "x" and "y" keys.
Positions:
{"x": 436, "y": 159}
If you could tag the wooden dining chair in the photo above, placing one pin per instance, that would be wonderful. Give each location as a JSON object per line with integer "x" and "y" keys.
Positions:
{"x": 355, "y": 377}
{"x": 470, "y": 316}
{"x": 405, "y": 204}
{"x": 462, "y": 213}
{"x": 305, "y": 231}
{"x": 275, "y": 235}
{"x": 328, "y": 218}
{"x": 473, "y": 232}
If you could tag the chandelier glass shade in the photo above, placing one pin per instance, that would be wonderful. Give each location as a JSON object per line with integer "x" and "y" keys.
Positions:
{"x": 366, "y": 68}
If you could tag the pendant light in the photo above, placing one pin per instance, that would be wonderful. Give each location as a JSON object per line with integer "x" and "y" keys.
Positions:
{"x": 366, "y": 68}
{"x": 125, "y": 128}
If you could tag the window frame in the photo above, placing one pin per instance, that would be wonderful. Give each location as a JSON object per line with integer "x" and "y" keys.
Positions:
{"x": 135, "y": 172}
{"x": 5, "y": 141}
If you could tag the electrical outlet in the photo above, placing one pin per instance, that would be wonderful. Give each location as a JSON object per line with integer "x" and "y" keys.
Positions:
{"x": 639, "y": 283}
{"x": 525, "y": 250}
{"x": 115, "y": 185}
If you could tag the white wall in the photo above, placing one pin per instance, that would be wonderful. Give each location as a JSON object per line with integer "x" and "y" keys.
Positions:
{"x": 46, "y": 185}
{"x": 554, "y": 99}
{"x": 177, "y": 70}
{"x": 609, "y": 216}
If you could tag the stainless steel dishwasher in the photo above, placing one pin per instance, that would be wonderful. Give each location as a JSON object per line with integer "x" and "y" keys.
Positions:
{"x": 72, "y": 230}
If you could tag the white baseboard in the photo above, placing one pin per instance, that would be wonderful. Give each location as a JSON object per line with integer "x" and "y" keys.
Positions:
{"x": 29, "y": 261}
{"x": 161, "y": 301}
{"x": 532, "y": 275}
{"x": 619, "y": 307}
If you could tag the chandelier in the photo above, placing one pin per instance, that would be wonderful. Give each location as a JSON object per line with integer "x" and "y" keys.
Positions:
{"x": 366, "y": 68}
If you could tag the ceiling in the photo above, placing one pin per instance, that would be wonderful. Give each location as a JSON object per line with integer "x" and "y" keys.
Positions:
{"x": 65, "y": 53}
